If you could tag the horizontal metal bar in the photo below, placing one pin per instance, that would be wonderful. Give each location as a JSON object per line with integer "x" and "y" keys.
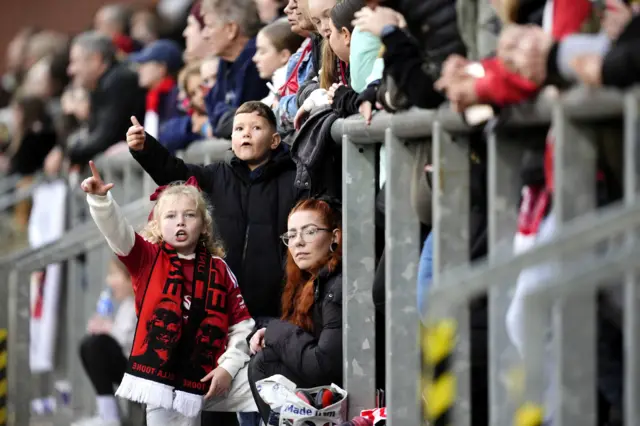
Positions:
{"x": 585, "y": 276}
{"x": 585, "y": 104}
{"x": 9, "y": 182}
{"x": 414, "y": 123}
{"x": 465, "y": 282}
{"x": 217, "y": 149}
{"x": 10, "y": 199}
{"x": 75, "y": 236}
{"x": 48, "y": 255}
{"x": 358, "y": 131}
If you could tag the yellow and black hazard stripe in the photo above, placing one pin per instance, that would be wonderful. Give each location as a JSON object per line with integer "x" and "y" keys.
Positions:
{"x": 439, "y": 392}
{"x": 3, "y": 376}
{"x": 529, "y": 414}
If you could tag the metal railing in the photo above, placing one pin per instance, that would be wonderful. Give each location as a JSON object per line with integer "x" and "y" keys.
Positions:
{"x": 575, "y": 118}
{"x": 566, "y": 305}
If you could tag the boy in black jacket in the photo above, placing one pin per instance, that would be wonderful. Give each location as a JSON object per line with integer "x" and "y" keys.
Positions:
{"x": 252, "y": 196}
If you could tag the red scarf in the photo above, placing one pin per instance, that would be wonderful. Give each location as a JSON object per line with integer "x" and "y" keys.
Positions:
{"x": 156, "y": 92}
{"x": 172, "y": 354}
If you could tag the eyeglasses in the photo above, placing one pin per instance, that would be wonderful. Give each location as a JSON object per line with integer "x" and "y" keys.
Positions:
{"x": 308, "y": 234}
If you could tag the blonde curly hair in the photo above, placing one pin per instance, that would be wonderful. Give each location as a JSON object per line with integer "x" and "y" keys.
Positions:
{"x": 151, "y": 232}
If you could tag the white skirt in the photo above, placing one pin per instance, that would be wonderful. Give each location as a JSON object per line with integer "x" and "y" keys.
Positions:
{"x": 238, "y": 400}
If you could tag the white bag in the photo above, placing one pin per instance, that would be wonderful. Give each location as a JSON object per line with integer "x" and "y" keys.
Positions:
{"x": 280, "y": 393}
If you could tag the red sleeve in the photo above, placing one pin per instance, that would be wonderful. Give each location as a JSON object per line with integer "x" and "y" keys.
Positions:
{"x": 139, "y": 263}
{"x": 236, "y": 307}
{"x": 568, "y": 17}
{"x": 502, "y": 87}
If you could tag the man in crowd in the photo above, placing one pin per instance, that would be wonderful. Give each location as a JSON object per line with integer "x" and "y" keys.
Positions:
{"x": 230, "y": 29}
{"x": 114, "y": 90}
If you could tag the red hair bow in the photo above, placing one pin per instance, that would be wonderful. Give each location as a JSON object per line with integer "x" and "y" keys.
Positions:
{"x": 154, "y": 197}
{"x": 190, "y": 182}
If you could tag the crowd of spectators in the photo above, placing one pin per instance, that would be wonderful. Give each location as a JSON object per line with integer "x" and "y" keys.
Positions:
{"x": 300, "y": 65}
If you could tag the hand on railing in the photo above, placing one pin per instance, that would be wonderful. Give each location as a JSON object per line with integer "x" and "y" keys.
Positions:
{"x": 588, "y": 68}
{"x": 135, "y": 135}
{"x": 94, "y": 184}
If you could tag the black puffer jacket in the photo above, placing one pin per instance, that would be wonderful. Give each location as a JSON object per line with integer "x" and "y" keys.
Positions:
{"x": 315, "y": 357}
{"x": 433, "y": 23}
{"x": 250, "y": 214}
{"x": 117, "y": 97}
{"x": 414, "y": 61}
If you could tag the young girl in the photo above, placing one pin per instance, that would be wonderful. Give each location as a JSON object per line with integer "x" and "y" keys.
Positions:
{"x": 334, "y": 24}
{"x": 274, "y": 46}
{"x": 192, "y": 321}
{"x": 104, "y": 351}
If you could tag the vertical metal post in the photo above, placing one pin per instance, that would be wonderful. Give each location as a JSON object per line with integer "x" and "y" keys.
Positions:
{"x": 19, "y": 372}
{"x": 4, "y": 326}
{"x": 574, "y": 317}
{"x": 631, "y": 289}
{"x": 132, "y": 181}
{"x": 504, "y": 161}
{"x": 75, "y": 316}
{"x": 451, "y": 207}
{"x": 358, "y": 316}
{"x": 402, "y": 232}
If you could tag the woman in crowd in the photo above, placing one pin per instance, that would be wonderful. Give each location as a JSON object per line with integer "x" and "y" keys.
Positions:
{"x": 305, "y": 345}
{"x": 275, "y": 44}
{"x": 196, "y": 46}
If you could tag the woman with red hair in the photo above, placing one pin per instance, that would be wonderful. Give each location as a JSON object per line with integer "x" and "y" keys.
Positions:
{"x": 305, "y": 345}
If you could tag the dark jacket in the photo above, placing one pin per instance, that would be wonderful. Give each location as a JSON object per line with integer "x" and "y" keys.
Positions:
{"x": 414, "y": 62}
{"x": 250, "y": 211}
{"x": 317, "y": 356}
{"x": 176, "y": 134}
{"x": 34, "y": 147}
{"x": 169, "y": 106}
{"x": 621, "y": 65}
{"x": 434, "y": 24}
{"x": 117, "y": 97}
{"x": 238, "y": 82}
{"x": 316, "y": 157}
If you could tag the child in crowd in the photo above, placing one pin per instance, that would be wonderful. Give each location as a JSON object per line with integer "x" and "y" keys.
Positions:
{"x": 193, "y": 324}
{"x": 209, "y": 72}
{"x": 253, "y": 194}
{"x": 336, "y": 27}
{"x": 104, "y": 351}
{"x": 179, "y": 132}
{"x": 274, "y": 46}
{"x": 158, "y": 65}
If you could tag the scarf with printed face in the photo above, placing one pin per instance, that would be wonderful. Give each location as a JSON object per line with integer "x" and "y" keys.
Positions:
{"x": 178, "y": 338}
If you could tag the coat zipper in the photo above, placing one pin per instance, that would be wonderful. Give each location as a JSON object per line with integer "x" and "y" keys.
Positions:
{"x": 248, "y": 227}
{"x": 246, "y": 242}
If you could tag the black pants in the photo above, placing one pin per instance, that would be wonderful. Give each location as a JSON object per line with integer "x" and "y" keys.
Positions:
{"x": 265, "y": 364}
{"x": 218, "y": 419}
{"x": 104, "y": 362}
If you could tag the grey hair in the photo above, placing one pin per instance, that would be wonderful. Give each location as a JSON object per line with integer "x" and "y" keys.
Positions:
{"x": 94, "y": 42}
{"x": 118, "y": 14}
{"x": 242, "y": 12}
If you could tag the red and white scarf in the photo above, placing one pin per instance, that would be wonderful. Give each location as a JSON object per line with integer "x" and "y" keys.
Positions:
{"x": 154, "y": 98}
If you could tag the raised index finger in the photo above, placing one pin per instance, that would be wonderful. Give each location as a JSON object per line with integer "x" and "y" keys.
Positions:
{"x": 94, "y": 171}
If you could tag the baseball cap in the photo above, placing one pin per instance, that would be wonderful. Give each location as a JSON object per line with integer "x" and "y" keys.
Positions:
{"x": 164, "y": 51}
